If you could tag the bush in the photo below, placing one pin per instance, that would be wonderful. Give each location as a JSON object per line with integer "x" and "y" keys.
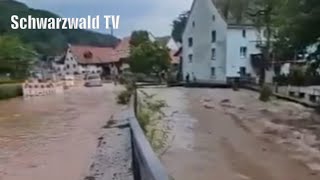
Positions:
{"x": 265, "y": 93}
{"x": 10, "y": 91}
{"x": 124, "y": 97}
{"x": 8, "y": 81}
{"x": 297, "y": 77}
{"x": 235, "y": 86}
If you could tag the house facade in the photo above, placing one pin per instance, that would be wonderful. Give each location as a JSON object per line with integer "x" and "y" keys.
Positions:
{"x": 218, "y": 47}
{"x": 82, "y": 60}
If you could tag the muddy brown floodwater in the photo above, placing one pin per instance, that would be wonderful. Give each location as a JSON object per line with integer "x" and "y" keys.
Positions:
{"x": 54, "y": 137}
{"x": 211, "y": 143}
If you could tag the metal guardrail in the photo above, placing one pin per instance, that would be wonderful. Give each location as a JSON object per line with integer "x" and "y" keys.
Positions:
{"x": 146, "y": 164}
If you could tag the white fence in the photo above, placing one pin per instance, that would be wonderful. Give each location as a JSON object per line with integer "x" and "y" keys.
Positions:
{"x": 309, "y": 93}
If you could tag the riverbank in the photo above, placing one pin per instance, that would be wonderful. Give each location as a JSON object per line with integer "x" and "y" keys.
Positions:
{"x": 8, "y": 91}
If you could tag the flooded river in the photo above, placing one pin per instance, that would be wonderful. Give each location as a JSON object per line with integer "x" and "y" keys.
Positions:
{"x": 210, "y": 143}
{"x": 53, "y": 137}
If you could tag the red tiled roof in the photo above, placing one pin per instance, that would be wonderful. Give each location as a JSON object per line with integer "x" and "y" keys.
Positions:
{"x": 101, "y": 55}
{"x": 123, "y": 48}
{"x": 94, "y": 55}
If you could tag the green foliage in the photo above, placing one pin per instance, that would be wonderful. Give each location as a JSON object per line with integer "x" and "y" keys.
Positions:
{"x": 123, "y": 97}
{"x": 179, "y": 25}
{"x": 297, "y": 77}
{"x": 148, "y": 58}
{"x": 8, "y": 81}
{"x": 139, "y": 37}
{"x": 48, "y": 42}
{"x": 265, "y": 93}
{"x": 10, "y": 91}
{"x": 149, "y": 116}
{"x": 16, "y": 58}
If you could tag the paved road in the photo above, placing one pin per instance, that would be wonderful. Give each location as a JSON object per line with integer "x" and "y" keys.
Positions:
{"x": 211, "y": 144}
{"x": 53, "y": 137}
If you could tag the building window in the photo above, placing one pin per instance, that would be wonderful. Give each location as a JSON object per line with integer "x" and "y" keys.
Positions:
{"x": 244, "y": 33}
{"x": 264, "y": 33}
{"x": 190, "y": 58}
{"x": 213, "y": 71}
{"x": 193, "y": 24}
{"x": 68, "y": 66}
{"x": 213, "y": 36}
{"x": 74, "y": 66}
{"x": 243, "y": 52}
{"x": 190, "y": 42}
{"x": 213, "y": 54}
{"x": 213, "y": 17}
{"x": 243, "y": 71}
{"x": 71, "y": 58}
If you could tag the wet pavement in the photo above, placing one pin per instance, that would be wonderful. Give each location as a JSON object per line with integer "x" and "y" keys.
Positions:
{"x": 213, "y": 143}
{"x": 53, "y": 137}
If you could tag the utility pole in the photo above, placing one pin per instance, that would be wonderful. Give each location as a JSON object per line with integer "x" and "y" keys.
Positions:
{"x": 111, "y": 30}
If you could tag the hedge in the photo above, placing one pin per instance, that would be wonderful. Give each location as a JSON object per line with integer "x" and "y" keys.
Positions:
{"x": 10, "y": 91}
{"x": 10, "y": 81}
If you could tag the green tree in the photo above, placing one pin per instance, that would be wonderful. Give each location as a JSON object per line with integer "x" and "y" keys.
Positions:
{"x": 16, "y": 58}
{"x": 297, "y": 77}
{"x": 178, "y": 26}
{"x": 264, "y": 14}
{"x": 139, "y": 37}
{"x": 149, "y": 58}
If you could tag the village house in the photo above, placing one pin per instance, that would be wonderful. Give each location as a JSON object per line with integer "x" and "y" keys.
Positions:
{"x": 82, "y": 60}
{"x": 173, "y": 47}
{"x": 217, "y": 47}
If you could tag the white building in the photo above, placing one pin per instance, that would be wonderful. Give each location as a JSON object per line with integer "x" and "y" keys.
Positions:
{"x": 82, "y": 60}
{"x": 218, "y": 47}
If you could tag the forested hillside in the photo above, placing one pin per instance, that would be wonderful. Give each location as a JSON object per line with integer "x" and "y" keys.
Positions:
{"x": 48, "y": 42}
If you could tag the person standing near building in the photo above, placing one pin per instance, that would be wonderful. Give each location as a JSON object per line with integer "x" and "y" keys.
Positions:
{"x": 188, "y": 78}
{"x": 114, "y": 74}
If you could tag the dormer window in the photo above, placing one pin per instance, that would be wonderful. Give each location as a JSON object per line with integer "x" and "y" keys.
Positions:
{"x": 244, "y": 33}
{"x": 88, "y": 55}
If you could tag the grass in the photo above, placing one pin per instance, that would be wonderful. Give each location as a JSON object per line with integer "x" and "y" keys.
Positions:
{"x": 8, "y": 91}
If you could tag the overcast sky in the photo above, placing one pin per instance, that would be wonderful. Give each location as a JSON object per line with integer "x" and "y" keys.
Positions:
{"x": 153, "y": 15}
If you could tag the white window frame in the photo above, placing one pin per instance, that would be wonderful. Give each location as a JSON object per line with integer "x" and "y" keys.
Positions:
{"x": 190, "y": 58}
{"x": 215, "y": 72}
{"x": 244, "y": 33}
{"x": 213, "y": 54}
{"x": 215, "y": 36}
{"x": 243, "y": 52}
{"x": 190, "y": 42}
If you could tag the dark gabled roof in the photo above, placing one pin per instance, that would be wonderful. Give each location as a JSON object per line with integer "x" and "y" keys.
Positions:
{"x": 234, "y": 12}
{"x": 163, "y": 41}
